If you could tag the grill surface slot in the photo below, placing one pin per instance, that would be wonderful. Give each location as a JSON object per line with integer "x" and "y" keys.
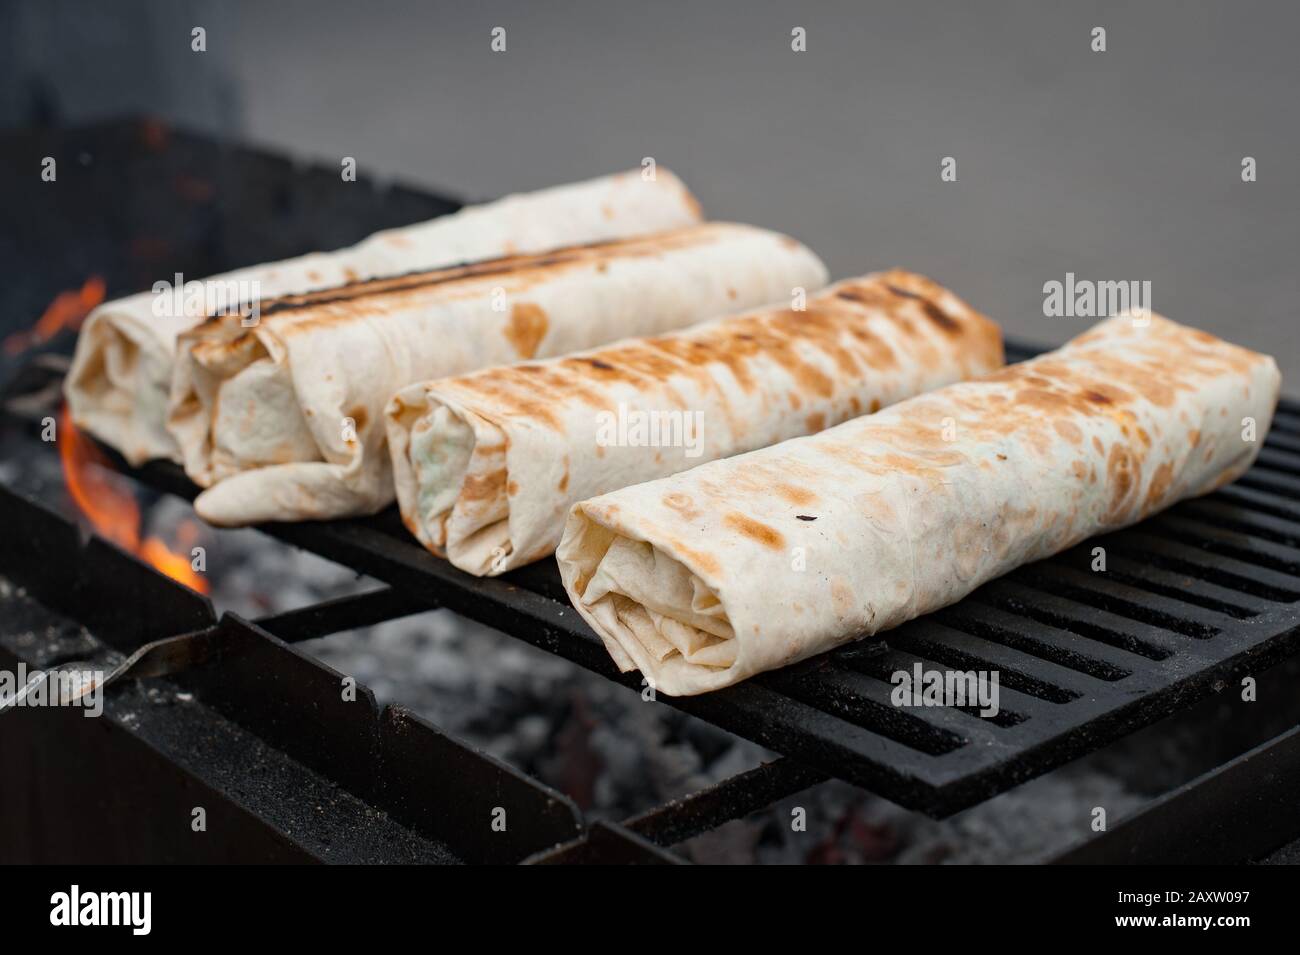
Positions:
{"x": 1216, "y": 540}
{"x": 1103, "y": 592}
{"x": 982, "y": 655}
{"x": 1051, "y": 644}
{"x": 884, "y": 666}
{"x": 1016, "y": 597}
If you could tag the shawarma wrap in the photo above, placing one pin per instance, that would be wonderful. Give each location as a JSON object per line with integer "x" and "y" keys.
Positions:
{"x": 751, "y": 563}
{"x": 121, "y": 373}
{"x": 487, "y": 465}
{"x": 284, "y": 421}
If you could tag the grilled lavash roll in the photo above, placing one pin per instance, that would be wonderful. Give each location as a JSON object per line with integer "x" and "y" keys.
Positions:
{"x": 743, "y": 565}
{"x": 285, "y": 419}
{"x": 121, "y": 373}
{"x": 487, "y": 465}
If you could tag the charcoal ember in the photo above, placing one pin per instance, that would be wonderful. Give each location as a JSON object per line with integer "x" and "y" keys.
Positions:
{"x": 614, "y": 752}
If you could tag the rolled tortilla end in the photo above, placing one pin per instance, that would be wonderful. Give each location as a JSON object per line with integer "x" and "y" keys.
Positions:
{"x": 452, "y": 480}
{"x": 705, "y": 578}
{"x": 117, "y": 388}
{"x": 652, "y": 611}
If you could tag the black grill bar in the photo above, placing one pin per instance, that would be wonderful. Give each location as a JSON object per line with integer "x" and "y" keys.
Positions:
{"x": 606, "y": 843}
{"x": 343, "y": 613}
{"x": 733, "y": 798}
{"x": 1243, "y": 809}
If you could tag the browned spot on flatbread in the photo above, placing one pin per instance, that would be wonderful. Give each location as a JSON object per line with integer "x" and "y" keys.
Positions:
{"x": 513, "y": 388}
{"x": 1160, "y": 483}
{"x": 1119, "y": 474}
{"x": 682, "y": 504}
{"x": 359, "y": 418}
{"x": 862, "y": 295}
{"x": 932, "y": 311}
{"x": 754, "y": 530}
{"x": 795, "y": 495}
{"x": 483, "y": 487}
{"x": 512, "y": 488}
{"x": 1043, "y": 399}
{"x": 815, "y": 422}
{"x": 699, "y": 561}
{"x": 526, "y": 329}
{"x": 1068, "y": 430}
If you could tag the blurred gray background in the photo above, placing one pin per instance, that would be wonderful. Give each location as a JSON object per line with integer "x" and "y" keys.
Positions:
{"x": 1117, "y": 165}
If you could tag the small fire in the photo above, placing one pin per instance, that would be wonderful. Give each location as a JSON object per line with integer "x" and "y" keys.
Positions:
{"x": 68, "y": 310}
{"x": 112, "y": 509}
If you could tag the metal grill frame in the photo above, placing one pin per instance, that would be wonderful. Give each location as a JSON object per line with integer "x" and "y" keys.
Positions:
{"x": 290, "y": 768}
{"x": 1083, "y": 658}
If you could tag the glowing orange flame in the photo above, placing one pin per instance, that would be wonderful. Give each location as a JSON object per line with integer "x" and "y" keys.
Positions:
{"x": 112, "y": 510}
{"x": 68, "y": 310}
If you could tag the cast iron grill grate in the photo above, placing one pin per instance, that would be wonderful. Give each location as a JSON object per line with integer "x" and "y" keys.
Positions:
{"x": 1191, "y": 599}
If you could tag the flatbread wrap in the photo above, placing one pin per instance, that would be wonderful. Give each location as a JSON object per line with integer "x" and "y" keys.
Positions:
{"x": 487, "y": 465}
{"x": 121, "y": 372}
{"x": 284, "y": 420}
{"x": 747, "y": 564}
